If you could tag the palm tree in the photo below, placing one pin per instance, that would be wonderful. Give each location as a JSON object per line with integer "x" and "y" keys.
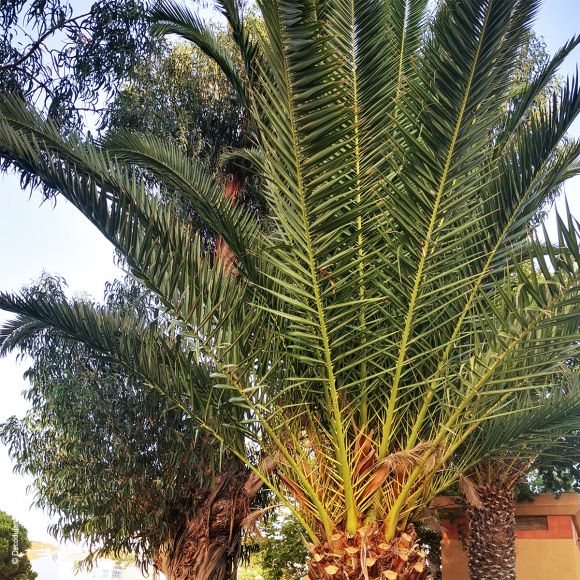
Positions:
{"x": 364, "y": 330}
{"x": 489, "y": 487}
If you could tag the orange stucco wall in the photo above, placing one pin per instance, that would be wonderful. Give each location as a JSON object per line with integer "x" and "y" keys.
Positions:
{"x": 551, "y": 554}
{"x": 535, "y": 560}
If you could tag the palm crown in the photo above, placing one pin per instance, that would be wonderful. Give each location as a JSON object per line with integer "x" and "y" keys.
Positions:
{"x": 366, "y": 329}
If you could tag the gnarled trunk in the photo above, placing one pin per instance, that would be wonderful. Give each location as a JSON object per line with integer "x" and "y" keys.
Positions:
{"x": 492, "y": 534}
{"x": 367, "y": 555}
{"x": 207, "y": 546}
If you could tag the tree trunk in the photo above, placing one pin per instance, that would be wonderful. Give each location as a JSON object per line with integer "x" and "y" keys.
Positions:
{"x": 367, "y": 555}
{"x": 207, "y": 547}
{"x": 222, "y": 250}
{"x": 492, "y": 534}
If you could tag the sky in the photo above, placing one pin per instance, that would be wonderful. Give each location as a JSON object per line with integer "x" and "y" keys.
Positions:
{"x": 37, "y": 237}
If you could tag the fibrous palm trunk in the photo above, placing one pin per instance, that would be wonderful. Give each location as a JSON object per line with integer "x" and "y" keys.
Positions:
{"x": 222, "y": 250}
{"x": 492, "y": 534}
{"x": 367, "y": 555}
{"x": 208, "y": 545}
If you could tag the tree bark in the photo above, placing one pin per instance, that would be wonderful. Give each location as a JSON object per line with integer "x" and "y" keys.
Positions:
{"x": 207, "y": 547}
{"x": 492, "y": 534}
{"x": 367, "y": 555}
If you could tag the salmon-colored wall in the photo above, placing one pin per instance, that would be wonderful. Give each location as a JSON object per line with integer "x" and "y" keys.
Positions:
{"x": 551, "y": 554}
{"x": 547, "y": 559}
{"x": 535, "y": 560}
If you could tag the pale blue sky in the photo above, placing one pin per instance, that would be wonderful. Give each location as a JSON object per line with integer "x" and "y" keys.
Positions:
{"x": 36, "y": 237}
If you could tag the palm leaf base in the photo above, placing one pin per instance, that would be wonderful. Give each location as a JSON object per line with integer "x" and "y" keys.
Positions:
{"x": 492, "y": 534}
{"x": 367, "y": 554}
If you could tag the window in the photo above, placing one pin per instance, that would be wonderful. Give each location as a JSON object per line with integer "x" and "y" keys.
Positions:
{"x": 531, "y": 522}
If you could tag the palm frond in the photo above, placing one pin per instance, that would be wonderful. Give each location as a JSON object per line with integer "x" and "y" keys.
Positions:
{"x": 537, "y": 85}
{"x": 174, "y": 18}
{"x": 236, "y": 225}
{"x": 159, "y": 359}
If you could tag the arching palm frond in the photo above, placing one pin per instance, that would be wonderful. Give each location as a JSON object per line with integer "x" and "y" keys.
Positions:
{"x": 173, "y": 18}
{"x": 38, "y": 147}
{"x": 529, "y": 424}
{"x": 159, "y": 359}
{"x": 537, "y": 85}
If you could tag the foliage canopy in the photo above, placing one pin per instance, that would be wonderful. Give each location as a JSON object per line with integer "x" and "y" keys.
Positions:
{"x": 64, "y": 58}
{"x": 364, "y": 332}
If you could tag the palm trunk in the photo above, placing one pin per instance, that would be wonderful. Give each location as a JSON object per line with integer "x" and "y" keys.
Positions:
{"x": 367, "y": 555}
{"x": 489, "y": 491}
{"x": 492, "y": 534}
{"x": 207, "y": 547}
{"x": 222, "y": 250}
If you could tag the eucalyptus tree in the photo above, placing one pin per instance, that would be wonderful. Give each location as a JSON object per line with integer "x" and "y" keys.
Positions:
{"x": 362, "y": 331}
{"x": 118, "y": 465}
{"x": 67, "y": 56}
{"x": 182, "y": 96}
